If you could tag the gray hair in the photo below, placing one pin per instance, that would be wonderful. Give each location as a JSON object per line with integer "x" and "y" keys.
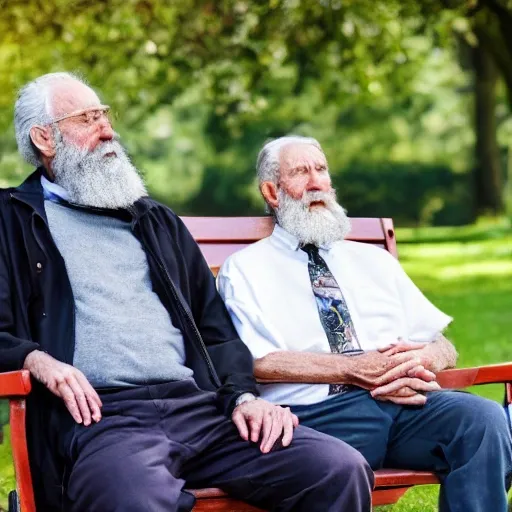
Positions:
{"x": 32, "y": 108}
{"x": 267, "y": 165}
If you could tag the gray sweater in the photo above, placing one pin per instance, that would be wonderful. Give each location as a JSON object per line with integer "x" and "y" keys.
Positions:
{"x": 123, "y": 334}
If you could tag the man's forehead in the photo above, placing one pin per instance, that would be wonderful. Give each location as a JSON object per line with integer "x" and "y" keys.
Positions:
{"x": 295, "y": 154}
{"x": 69, "y": 96}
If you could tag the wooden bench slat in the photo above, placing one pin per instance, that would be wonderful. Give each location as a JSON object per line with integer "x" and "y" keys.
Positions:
{"x": 250, "y": 229}
{"x": 466, "y": 377}
{"x": 383, "y": 478}
{"x": 401, "y": 477}
{"x": 220, "y": 237}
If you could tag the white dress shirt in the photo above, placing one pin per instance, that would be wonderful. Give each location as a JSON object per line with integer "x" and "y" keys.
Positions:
{"x": 267, "y": 290}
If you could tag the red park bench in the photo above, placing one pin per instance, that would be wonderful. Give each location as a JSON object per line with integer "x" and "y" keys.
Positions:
{"x": 218, "y": 238}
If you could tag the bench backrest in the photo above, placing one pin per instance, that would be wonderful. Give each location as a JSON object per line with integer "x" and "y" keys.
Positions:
{"x": 219, "y": 237}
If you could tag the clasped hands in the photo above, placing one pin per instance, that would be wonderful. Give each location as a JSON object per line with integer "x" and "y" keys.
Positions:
{"x": 397, "y": 373}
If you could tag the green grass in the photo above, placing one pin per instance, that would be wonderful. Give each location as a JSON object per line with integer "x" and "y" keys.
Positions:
{"x": 6, "y": 471}
{"x": 466, "y": 272}
{"x": 471, "y": 280}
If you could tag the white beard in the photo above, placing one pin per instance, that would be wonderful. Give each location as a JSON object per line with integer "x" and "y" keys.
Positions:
{"x": 93, "y": 179}
{"x": 318, "y": 226}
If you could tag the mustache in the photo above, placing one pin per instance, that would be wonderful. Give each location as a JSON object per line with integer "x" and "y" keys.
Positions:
{"x": 102, "y": 148}
{"x": 108, "y": 149}
{"x": 108, "y": 146}
{"x": 318, "y": 196}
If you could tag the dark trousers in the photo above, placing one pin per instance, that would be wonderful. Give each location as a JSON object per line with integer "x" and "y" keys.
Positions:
{"x": 464, "y": 438}
{"x": 152, "y": 440}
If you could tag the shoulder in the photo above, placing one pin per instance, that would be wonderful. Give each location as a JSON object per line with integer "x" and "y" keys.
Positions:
{"x": 161, "y": 215}
{"x": 159, "y": 218}
{"x": 368, "y": 255}
{"x": 245, "y": 260}
{"x": 147, "y": 204}
{"x": 250, "y": 254}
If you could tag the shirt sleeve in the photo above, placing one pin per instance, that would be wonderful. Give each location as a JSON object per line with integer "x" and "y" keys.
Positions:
{"x": 423, "y": 320}
{"x": 253, "y": 329}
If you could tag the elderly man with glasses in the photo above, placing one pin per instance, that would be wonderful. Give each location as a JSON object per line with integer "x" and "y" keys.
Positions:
{"x": 141, "y": 382}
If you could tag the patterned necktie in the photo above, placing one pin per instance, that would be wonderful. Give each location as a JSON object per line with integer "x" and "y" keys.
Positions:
{"x": 332, "y": 309}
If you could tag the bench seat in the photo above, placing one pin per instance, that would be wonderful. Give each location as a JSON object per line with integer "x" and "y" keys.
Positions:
{"x": 390, "y": 485}
{"x": 219, "y": 237}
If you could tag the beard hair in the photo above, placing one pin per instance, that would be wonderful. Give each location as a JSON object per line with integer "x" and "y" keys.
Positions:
{"x": 319, "y": 226}
{"x": 93, "y": 179}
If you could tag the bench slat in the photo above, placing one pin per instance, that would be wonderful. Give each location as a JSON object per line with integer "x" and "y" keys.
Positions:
{"x": 251, "y": 229}
{"x": 220, "y": 237}
{"x": 383, "y": 478}
{"x": 390, "y": 485}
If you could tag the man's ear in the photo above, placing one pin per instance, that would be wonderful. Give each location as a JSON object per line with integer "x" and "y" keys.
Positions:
{"x": 268, "y": 190}
{"x": 42, "y": 138}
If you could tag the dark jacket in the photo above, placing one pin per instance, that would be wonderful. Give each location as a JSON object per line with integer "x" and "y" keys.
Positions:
{"x": 37, "y": 312}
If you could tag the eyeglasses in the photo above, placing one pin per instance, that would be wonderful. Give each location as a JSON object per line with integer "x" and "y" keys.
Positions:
{"x": 88, "y": 116}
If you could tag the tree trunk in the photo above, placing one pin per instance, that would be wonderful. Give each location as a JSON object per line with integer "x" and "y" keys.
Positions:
{"x": 488, "y": 173}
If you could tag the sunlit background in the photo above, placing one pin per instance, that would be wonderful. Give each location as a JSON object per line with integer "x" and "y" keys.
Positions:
{"x": 410, "y": 100}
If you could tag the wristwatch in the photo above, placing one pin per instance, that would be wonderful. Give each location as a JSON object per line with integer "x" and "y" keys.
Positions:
{"x": 245, "y": 397}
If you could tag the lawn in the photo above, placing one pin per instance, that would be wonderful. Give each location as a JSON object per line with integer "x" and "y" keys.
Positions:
{"x": 467, "y": 272}
{"x": 6, "y": 471}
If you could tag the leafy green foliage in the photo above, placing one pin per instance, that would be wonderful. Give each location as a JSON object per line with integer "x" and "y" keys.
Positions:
{"x": 386, "y": 86}
{"x": 7, "y": 482}
{"x": 199, "y": 85}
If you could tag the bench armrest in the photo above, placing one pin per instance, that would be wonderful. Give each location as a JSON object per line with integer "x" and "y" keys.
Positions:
{"x": 456, "y": 378}
{"x": 18, "y": 383}
{"x": 465, "y": 377}
{"x": 15, "y": 384}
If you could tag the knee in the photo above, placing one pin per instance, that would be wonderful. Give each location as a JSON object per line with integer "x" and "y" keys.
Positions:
{"x": 489, "y": 415}
{"x": 342, "y": 463}
{"x": 487, "y": 418}
{"x": 492, "y": 413}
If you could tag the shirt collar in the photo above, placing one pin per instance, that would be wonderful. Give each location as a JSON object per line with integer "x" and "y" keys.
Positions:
{"x": 53, "y": 188}
{"x": 285, "y": 239}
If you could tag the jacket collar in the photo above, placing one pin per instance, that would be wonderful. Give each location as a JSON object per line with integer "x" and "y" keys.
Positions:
{"x": 30, "y": 192}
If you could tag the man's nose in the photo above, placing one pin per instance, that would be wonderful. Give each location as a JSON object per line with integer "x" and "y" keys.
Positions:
{"x": 106, "y": 130}
{"x": 317, "y": 181}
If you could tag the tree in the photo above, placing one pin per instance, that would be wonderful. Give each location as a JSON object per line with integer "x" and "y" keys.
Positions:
{"x": 489, "y": 34}
{"x": 248, "y": 59}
